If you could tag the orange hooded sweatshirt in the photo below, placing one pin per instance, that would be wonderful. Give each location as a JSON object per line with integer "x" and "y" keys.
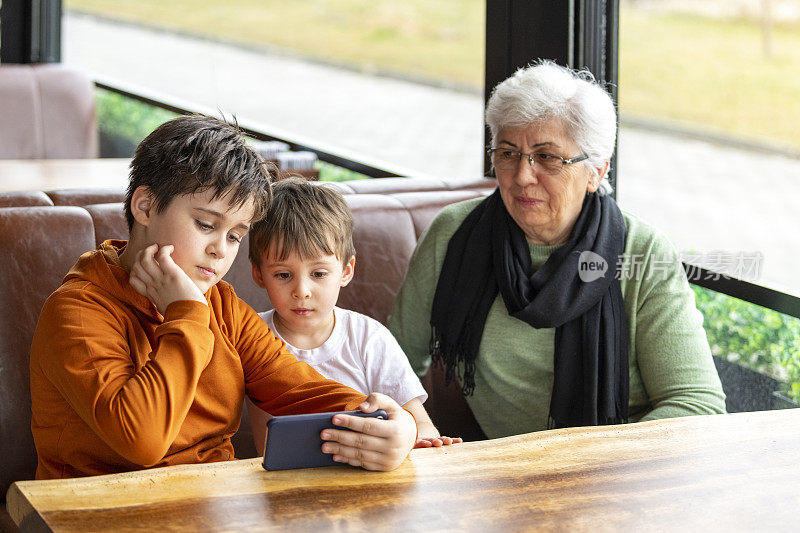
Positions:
{"x": 117, "y": 387}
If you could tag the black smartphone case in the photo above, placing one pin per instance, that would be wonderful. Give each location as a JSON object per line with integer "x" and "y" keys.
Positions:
{"x": 293, "y": 441}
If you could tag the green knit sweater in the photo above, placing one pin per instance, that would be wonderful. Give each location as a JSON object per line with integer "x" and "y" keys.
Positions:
{"x": 671, "y": 369}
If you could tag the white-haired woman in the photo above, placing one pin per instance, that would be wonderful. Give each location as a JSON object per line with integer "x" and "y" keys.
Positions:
{"x": 551, "y": 306}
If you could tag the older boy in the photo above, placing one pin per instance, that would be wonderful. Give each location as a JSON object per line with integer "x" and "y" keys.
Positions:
{"x": 302, "y": 253}
{"x": 141, "y": 358}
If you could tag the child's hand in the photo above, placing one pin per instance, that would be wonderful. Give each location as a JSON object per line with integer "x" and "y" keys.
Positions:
{"x": 155, "y": 275}
{"x": 373, "y": 444}
{"x": 436, "y": 442}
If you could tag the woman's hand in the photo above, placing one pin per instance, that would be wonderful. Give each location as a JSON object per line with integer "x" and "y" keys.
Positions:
{"x": 372, "y": 443}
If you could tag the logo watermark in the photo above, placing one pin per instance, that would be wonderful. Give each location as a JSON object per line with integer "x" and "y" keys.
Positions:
{"x": 701, "y": 266}
{"x": 591, "y": 266}
{"x": 721, "y": 264}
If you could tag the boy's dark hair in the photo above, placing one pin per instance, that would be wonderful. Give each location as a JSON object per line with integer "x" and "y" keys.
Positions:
{"x": 306, "y": 219}
{"x": 194, "y": 153}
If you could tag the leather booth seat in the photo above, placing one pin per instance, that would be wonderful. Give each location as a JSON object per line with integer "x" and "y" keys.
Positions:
{"x": 41, "y": 242}
{"x": 39, "y": 245}
{"x": 46, "y": 112}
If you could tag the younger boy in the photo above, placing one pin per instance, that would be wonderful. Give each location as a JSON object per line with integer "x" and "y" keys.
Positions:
{"x": 302, "y": 253}
{"x": 141, "y": 358}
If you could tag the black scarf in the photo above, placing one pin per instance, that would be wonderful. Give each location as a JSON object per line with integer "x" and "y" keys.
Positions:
{"x": 488, "y": 253}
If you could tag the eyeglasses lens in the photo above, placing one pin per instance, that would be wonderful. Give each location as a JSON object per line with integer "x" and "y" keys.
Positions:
{"x": 509, "y": 160}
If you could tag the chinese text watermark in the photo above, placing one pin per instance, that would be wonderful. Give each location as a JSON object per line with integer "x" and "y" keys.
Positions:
{"x": 700, "y": 266}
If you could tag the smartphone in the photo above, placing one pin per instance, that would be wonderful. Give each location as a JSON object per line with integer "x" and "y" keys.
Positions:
{"x": 293, "y": 441}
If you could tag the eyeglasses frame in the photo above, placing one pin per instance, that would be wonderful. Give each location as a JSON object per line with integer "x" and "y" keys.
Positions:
{"x": 564, "y": 161}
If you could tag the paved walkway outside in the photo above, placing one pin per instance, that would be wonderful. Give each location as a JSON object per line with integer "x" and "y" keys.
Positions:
{"x": 705, "y": 197}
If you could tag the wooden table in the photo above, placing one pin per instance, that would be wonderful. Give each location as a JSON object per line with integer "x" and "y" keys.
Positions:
{"x": 49, "y": 174}
{"x": 719, "y": 473}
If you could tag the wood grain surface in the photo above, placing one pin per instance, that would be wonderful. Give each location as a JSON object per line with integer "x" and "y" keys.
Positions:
{"x": 726, "y": 472}
{"x": 47, "y": 174}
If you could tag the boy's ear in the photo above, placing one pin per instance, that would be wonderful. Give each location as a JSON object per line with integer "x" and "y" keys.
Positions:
{"x": 257, "y": 276}
{"x": 349, "y": 271}
{"x": 142, "y": 205}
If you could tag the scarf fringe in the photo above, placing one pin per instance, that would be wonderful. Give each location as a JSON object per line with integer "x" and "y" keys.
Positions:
{"x": 454, "y": 361}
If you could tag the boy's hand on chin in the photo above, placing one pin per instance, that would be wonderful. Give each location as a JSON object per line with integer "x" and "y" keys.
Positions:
{"x": 373, "y": 444}
{"x": 155, "y": 275}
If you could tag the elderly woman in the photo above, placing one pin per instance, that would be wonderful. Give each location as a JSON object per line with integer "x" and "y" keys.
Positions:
{"x": 551, "y": 306}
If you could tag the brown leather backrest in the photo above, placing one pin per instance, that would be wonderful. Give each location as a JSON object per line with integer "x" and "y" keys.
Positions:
{"x": 384, "y": 239}
{"x": 483, "y": 183}
{"x": 86, "y": 196}
{"x": 341, "y": 186}
{"x": 390, "y": 185}
{"x": 241, "y": 277}
{"x": 39, "y": 245}
{"x": 424, "y": 206}
{"x": 46, "y": 112}
{"x": 109, "y": 221}
{"x": 397, "y": 185}
{"x": 24, "y": 199}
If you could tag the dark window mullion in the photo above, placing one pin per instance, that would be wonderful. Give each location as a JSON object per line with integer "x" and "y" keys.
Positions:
{"x": 520, "y": 31}
{"x": 30, "y": 31}
{"x": 597, "y": 36}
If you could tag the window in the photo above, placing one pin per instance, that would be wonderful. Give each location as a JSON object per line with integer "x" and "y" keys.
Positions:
{"x": 709, "y": 144}
{"x": 377, "y": 80}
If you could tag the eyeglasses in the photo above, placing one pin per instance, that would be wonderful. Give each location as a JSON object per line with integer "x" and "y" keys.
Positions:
{"x": 505, "y": 159}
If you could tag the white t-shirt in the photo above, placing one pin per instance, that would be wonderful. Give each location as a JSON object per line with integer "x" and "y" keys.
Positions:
{"x": 362, "y": 354}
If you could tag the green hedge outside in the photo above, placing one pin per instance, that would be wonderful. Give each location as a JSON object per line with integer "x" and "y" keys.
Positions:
{"x": 756, "y": 337}
{"x": 124, "y": 122}
{"x": 331, "y": 172}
